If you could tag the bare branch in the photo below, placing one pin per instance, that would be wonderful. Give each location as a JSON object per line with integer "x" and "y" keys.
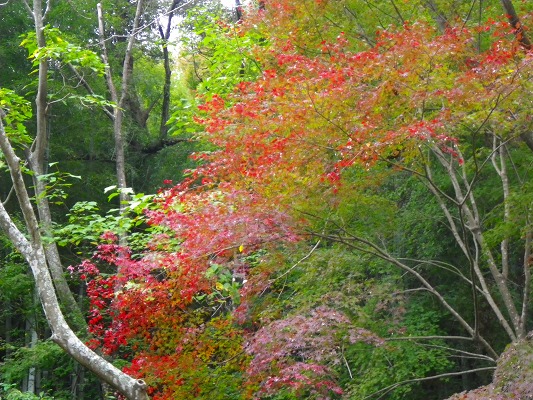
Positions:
{"x": 9, "y": 195}
{"x": 397, "y": 11}
{"x": 361, "y": 33}
{"x": 89, "y": 89}
{"x": 475, "y": 356}
{"x": 433, "y": 337}
{"x": 299, "y": 262}
{"x": 387, "y": 389}
{"x": 346, "y": 364}
{"x": 27, "y": 6}
{"x": 371, "y": 248}
{"x": 47, "y": 9}
{"x": 439, "y": 264}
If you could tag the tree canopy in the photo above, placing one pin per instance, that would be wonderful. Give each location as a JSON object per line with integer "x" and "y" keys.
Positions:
{"x": 343, "y": 212}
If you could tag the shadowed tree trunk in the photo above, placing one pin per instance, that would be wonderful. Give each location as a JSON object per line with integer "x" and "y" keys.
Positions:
{"x": 165, "y": 35}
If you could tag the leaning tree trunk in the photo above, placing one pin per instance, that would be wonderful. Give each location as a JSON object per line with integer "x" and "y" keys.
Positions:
{"x": 32, "y": 250}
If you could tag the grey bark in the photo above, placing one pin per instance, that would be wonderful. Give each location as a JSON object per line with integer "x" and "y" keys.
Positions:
{"x": 36, "y": 160}
{"x": 440, "y": 18}
{"x": 33, "y": 252}
{"x": 523, "y": 40}
{"x": 119, "y": 99}
{"x": 31, "y": 342}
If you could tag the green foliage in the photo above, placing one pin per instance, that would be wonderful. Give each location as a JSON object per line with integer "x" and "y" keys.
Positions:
{"x": 226, "y": 287}
{"x": 222, "y": 54}
{"x": 15, "y": 111}
{"x": 86, "y": 222}
{"x": 62, "y": 52}
{"x": 388, "y": 207}
{"x": 12, "y": 393}
{"x": 170, "y": 163}
{"x": 369, "y": 292}
{"x": 182, "y": 120}
{"x": 15, "y": 283}
{"x": 55, "y": 185}
{"x": 45, "y": 355}
{"x": 58, "y": 49}
{"x": 382, "y": 369}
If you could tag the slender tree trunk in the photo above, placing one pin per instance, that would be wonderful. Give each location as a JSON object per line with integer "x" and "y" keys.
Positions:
{"x": 31, "y": 342}
{"x": 438, "y": 16}
{"x": 498, "y": 159}
{"x": 32, "y": 250}
{"x": 523, "y": 40}
{"x": 36, "y": 160}
{"x": 120, "y": 100}
{"x": 8, "y": 326}
{"x": 165, "y": 107}
{"x": 238, "y": 10}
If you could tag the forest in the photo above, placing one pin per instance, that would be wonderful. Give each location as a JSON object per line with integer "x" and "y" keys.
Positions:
{"x": 275, "y": 199}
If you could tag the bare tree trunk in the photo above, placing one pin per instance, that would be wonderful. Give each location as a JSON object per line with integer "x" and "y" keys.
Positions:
{"x": 8, "y": 326}
{"x": 523, "y": 40}
{"x": 32, "y": 250}
{"x": 467, "y": 205}
{"x": 499, "y": 163}
{"x": 165, "y": 35}
{"x": 438, "y": 16}
{"x": 119, "y": 100}
{"x": 36, "y": 160}
{"x": 31, "y": 342}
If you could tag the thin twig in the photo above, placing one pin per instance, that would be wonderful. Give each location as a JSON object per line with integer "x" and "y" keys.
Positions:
{"x": 432, "y": 337}
{"x": 299, "y": 262}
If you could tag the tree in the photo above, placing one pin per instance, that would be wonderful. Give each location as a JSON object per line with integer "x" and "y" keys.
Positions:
{"x": 407, "y": 103}
{"x": 119, "y": 99}
{"x": 41, "y": 255}
{"x": 322, "y": 151}
{"x": 33, "y": 251}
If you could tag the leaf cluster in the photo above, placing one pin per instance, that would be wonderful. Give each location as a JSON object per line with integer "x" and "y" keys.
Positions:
{"x": 60, "y": 50}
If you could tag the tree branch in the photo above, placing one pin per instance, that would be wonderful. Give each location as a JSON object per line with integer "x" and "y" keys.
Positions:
{"x": 387, "y": 389}
{"x": 514, "y": 21}
{"x": 376, "y": 251}
{"x": 89, "y": 89}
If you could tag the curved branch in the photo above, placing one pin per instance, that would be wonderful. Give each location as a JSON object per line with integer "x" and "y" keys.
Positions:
{"x": 376, "y": 251}
{"x": 387, "y": 389}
